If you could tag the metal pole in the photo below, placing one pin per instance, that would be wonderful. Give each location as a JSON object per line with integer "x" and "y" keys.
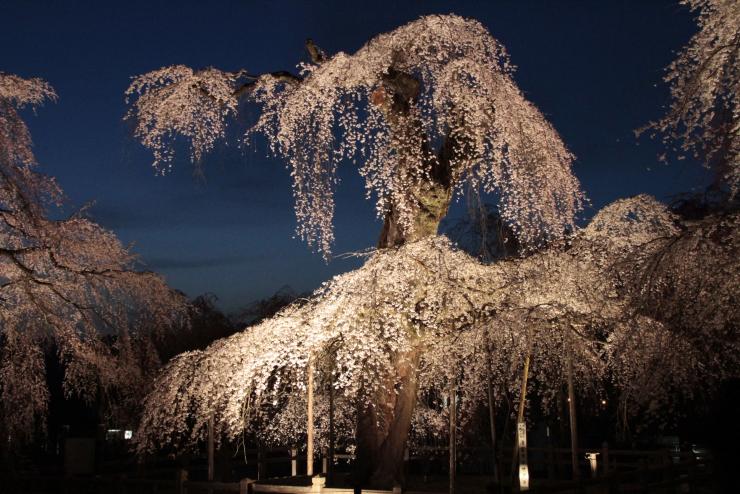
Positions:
{"x": 309, "y": 423}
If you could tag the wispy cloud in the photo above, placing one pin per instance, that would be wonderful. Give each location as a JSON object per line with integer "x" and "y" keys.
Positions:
{"x": 169, "y": 263}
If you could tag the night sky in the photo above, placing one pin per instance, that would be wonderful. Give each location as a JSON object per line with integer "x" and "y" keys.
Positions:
{"x": 594, "y": 69}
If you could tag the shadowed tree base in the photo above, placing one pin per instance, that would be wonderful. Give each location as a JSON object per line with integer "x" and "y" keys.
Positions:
{"x": 382, "y": 430}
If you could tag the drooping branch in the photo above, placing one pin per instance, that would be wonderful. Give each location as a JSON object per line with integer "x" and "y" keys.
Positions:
{"x": 437, "y": 90}
{"x": 66, "y": 284}
{"x": 703, "y": 116}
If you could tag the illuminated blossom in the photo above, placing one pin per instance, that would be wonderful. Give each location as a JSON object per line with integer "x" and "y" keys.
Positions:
{"x": 338, "y": 110}
{"x": 66, "y": 285}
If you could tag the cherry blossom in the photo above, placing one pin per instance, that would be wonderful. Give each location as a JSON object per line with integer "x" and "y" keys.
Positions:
{"x": 65, "y": 285}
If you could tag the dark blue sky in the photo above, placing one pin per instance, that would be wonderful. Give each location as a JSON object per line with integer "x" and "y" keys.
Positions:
{"x": 594, "y": 68}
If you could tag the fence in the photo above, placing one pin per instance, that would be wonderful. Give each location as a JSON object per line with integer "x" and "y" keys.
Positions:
{"x": 610, "y": 471}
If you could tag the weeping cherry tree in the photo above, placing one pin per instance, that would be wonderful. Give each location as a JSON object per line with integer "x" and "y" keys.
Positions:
{"x": 424, "y": 112}
{"x": 65, "y": 284}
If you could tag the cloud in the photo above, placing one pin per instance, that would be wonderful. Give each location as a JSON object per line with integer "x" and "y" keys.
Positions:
{"x": 115, "y": 218}
{"x": 170, "y": 263}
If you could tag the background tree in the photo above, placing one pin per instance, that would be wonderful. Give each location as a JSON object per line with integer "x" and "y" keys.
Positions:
{"x": 679, "y": 338}
{"x": 202, "y": 324}
{"x": 703, "y": 117}
{"x": 64, "y": 283}
{"x": 267, "y": 307}
{"x": 702, "y": 120}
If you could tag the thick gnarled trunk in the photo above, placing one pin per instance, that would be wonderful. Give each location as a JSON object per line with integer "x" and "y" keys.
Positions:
{"x": 383, "y": 426}
{"x": 382, "y": 429}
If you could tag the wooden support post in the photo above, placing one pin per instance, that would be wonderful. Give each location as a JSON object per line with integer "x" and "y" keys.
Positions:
{"x": 330, "y": 470}
{"x": 643, "y": 478}
{"x": 120, "y": 484}
{"x": 260, "y": 462}
{"x": 453, "y": 435}
{"x": 605, "y": 458}
{"x": 492, "y": 414}
{"x": 210, "y": 448}
{"x": 244, "y": 486}
{"x": 523, "y": 397}
{"x": 309, "y": 423}
{"x": 181, "y": 476}
{"x": 492, "y": 422}
{"x": 573, "y": 419}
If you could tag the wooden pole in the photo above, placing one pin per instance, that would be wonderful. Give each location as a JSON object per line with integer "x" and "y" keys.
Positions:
{"x": 492, "y": 421}
{"x": 453, "y": 435}
{"x": 181, "y": 476}
{"x": 572, "y": 415}
{"x": 309, "y": 422}
{"x": 330, "y": 469}
{"x": 492, "y": 415}
{"x": 210, "y": 448}
{"x": 523, "y": 396}
{"x": 261, "y": 465}
{"x": 605, "y": 458}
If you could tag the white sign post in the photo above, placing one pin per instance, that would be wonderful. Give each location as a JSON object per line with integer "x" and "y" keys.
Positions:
{"x": 521, "y": 438}
{"x": 592, "y": 461}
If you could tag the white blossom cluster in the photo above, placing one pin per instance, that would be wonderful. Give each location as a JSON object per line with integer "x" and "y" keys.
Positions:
{"x": 363, "y": 319}
{"x": 340, "y": 109}
{"x": 16, "y": 156}
{"x": 471, "y": 323}
{"x": 682, "y": 337}
{"x": 65, "y": 285}
{"x": 176, "y": 101}
{"x": 627, "y": 223}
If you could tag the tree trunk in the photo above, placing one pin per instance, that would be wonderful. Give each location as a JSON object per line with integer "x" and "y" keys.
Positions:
{"x": 330, "y": 467}
{"x": 383, "y": 425}
{"x": 389, "y": 467}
